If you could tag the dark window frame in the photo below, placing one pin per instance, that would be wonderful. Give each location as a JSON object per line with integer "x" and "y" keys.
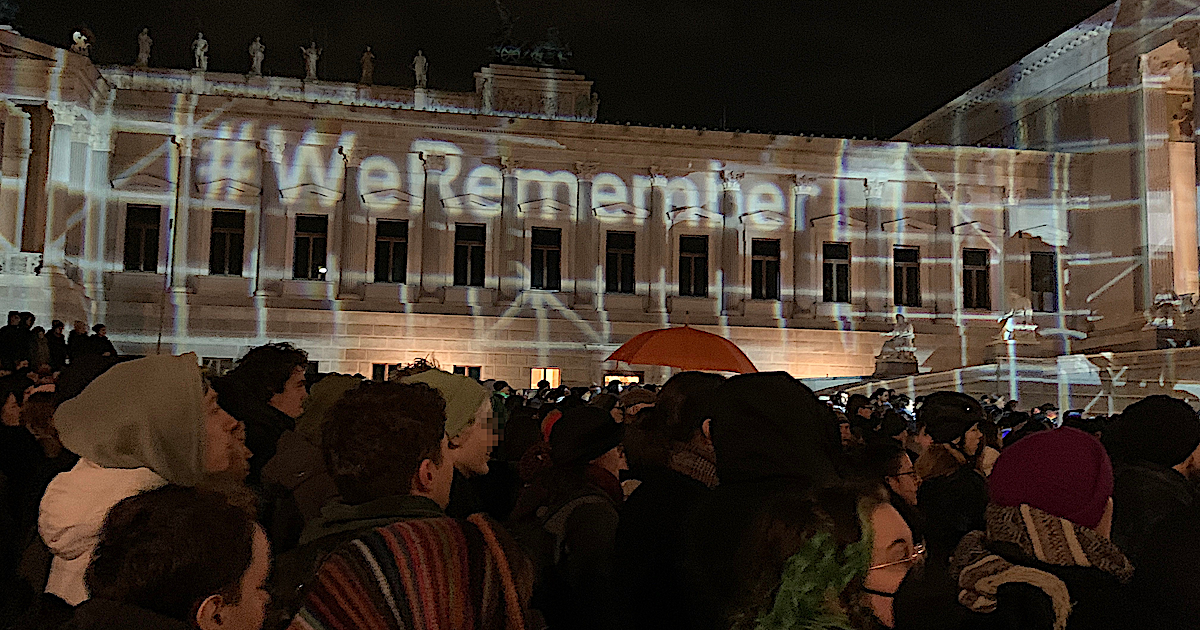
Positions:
{"x": 391, "y": 251}
{"x": 620, "y": 262}
{"x": 1043, "y": 286}
{"x": 226, "y": 243}
{"x": 142, "y": 237}
{"x": 693, "y": 265}
{"x": 906, "y": 275}
{"x": 977, "y": 279}
{"x": 835, "y": 272}
{"x": 765, "y": 277}
{"x": 313, "y": 244}
{"x": 545, "y": 264}
{"x": 470, "y": 254}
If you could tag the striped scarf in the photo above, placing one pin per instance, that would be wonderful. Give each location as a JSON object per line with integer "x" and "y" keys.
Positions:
{"x": 1049, "y": 539}
{"x": 426, "y": 574}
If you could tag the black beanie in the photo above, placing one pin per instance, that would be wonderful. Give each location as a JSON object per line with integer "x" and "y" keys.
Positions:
{"x": 948, "y": 415}
{"x": 1158, "y": 429}
{"x": 583, "y": 434}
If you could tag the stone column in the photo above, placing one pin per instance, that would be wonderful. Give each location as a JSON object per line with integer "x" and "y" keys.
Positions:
{"x": 874, "y": 287}
{"x": 587, "y": 237}
{"x": 95, "y": 207}
{"x": 943, "y": 254}
{"x": 659, "y": 240}
{"x": 433, "y": 230}
{"x": 506, "y": 240}
{"x": 803, "y": 258}
{"x": 15, "y": 167}
{"x": 271, "y": 253}
{"x": 178, "y": 224}
{"x": 352, "y": 259}
{"x": 728, "y": 258}
{"x": 1187, "y": 35}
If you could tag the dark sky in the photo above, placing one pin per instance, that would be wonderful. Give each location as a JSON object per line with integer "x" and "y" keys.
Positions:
{"x": 832, "y": 67}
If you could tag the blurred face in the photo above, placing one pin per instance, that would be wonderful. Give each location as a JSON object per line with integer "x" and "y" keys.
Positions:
{"x": 905, "y": 482}
{"x": 920, "y": 442}
{"x": 11, "y": 413}
{"x": 103, "y": 332}
{"x": 892, "y": 556}
{"x": 220, "y": 442}
{"x": 613, "y": 461}
{"x": 473, "y": 447}
{"x": 249, "y": 612}
{"x": 291, "y": 399}
{"x": 847, "y": 436}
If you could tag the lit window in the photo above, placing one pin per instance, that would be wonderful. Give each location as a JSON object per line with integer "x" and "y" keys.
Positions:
{"x": 550, "y": 375}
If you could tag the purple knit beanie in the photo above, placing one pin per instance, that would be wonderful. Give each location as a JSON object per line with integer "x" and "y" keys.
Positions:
{"x": 1064, "y": 472}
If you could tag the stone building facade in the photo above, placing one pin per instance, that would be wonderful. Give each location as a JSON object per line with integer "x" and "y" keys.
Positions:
{"x": 504, "y": 232}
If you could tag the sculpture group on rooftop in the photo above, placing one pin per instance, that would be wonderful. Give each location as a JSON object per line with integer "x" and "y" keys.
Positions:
{"x": 81, "y": 45}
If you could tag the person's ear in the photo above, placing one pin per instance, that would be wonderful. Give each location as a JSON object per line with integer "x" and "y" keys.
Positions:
{"x": 208, "y": 616}
{"x": 422, "y": 482}
{"x": 706, "y": 429}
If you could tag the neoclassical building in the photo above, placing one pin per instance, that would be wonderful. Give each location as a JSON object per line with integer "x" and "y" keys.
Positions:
{"x": 506, "y": 233}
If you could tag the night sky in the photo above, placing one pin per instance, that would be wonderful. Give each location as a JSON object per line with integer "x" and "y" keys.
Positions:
{"x": 830, "y": 67}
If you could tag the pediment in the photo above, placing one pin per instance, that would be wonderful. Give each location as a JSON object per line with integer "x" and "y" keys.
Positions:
{"x": 141, "y": 181}
{"x": 838, "y": 220}
{"x": 545, "y": 205}
{"x": 619, "y": 211}
{"x": 231, "y": 187}
{"x": 694, "y": 213}
{"x": 472, "y": 200}
{"x": 766, "y": 218}
{"x": 387, "y": 196}
{"x": 310, "y": 190}
{"x": 908, "y": 225}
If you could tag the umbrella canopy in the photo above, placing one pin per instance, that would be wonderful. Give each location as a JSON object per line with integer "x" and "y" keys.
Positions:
{"x": 685, "y": 348}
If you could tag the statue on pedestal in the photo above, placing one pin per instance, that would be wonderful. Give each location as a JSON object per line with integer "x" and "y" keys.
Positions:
{"x": 1018, "y": 324}
{"x": 420, "y": 67}
{"x": 595, "y": 105}
{"x": 311, "y": 54}
{"x": 899, "y": 348}
{"x": 257, "y": 51}
{"x": 368, "y": 67}
{"x": 1170, "y": 310}
{"x": 144, "y": 43}
{"x": 200, "y": 52}
{"x": 81, "y": 45}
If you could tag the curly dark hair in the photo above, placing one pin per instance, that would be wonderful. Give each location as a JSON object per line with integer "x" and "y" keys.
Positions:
{"x": 377, "y": 435}
{"x": 169, "y": 549}
{"x": 264, "y": 371}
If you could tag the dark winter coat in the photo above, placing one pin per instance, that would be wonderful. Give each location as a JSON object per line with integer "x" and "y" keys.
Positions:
{"x": 338, "y": 523}
{"x": 650, "y": 550}
{"x": 58, "y": 350}
{"x": 1165, "y": 588}
{"x": 14, "y": 346}
{"x": 264, "y": 423}
{"x": 1145, "y": 493}
{"x": 105, "y": 614}
{"x": 952, "y": 506}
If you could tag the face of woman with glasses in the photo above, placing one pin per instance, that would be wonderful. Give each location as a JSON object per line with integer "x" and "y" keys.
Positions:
{"x": 905, "y": 482}
{"x": 891, "y": 557}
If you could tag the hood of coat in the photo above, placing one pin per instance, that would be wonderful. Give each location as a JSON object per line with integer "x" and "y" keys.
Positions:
{"x": 769, "y": 425}
{"x": 146, "y": 413}
{"x": 76, "y": 502}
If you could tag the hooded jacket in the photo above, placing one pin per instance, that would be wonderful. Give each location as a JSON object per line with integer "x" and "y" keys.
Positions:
{"x": 129, "y": 439}
{"x": 767, "y": 433}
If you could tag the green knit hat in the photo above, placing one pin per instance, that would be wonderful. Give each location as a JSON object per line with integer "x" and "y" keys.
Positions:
{"x": 463, "y": 396}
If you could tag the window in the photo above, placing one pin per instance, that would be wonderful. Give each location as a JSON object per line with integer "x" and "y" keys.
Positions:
{"x": 1043, "y": 281}
{"x": 391, "y": 251}
{"x": 469, "y": 370}
{"x": 379, "y": 372}
{"x": 545, "y": 270}
{"x": 225, "y": 246}
{"x": 550, "y": 375}
{"x": 215, "y": 366}
{"x": 835, "y": 272}
{"x": 693, "y": 266}
{"x": 977, "y": 285}
{"x": 764, "y": 269}
{"x": 906, "y": 276}
{"x": 618, "y": 262}
{"x": 469, "y": 243}
{"x": 141, "y": 238}
{"x": 309, "y": 263}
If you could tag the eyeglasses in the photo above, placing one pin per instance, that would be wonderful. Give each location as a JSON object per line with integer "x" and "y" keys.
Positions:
{"x": 917, "y": 554}
{"x": 906, "y": 473}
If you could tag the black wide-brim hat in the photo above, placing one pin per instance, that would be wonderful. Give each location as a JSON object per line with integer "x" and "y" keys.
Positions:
{"x": 582, "y": 435}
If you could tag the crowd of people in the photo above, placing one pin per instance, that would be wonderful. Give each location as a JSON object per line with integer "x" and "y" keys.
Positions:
{"x": 148, "y": 494}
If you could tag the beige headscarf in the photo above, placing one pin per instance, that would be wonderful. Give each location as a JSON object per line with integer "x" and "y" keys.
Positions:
{"x": 146, "y": 413}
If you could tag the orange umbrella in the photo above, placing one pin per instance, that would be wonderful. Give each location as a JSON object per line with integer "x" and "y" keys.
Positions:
{"x": 685, "y": 348}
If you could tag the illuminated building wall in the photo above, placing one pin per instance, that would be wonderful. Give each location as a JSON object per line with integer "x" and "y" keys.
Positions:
{"x": 504, "y": 229}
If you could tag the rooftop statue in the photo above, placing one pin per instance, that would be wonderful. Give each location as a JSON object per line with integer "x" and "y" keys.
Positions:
{"x": 200, "y": 52}
{"x": 311, "y": 54}
{"x": 81, "y": 45}
{"x": 257, "y": 51}
{"x": 420, "y": 67}
{"x": 368, "y": 67}
{"x": 144, "y": 44}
